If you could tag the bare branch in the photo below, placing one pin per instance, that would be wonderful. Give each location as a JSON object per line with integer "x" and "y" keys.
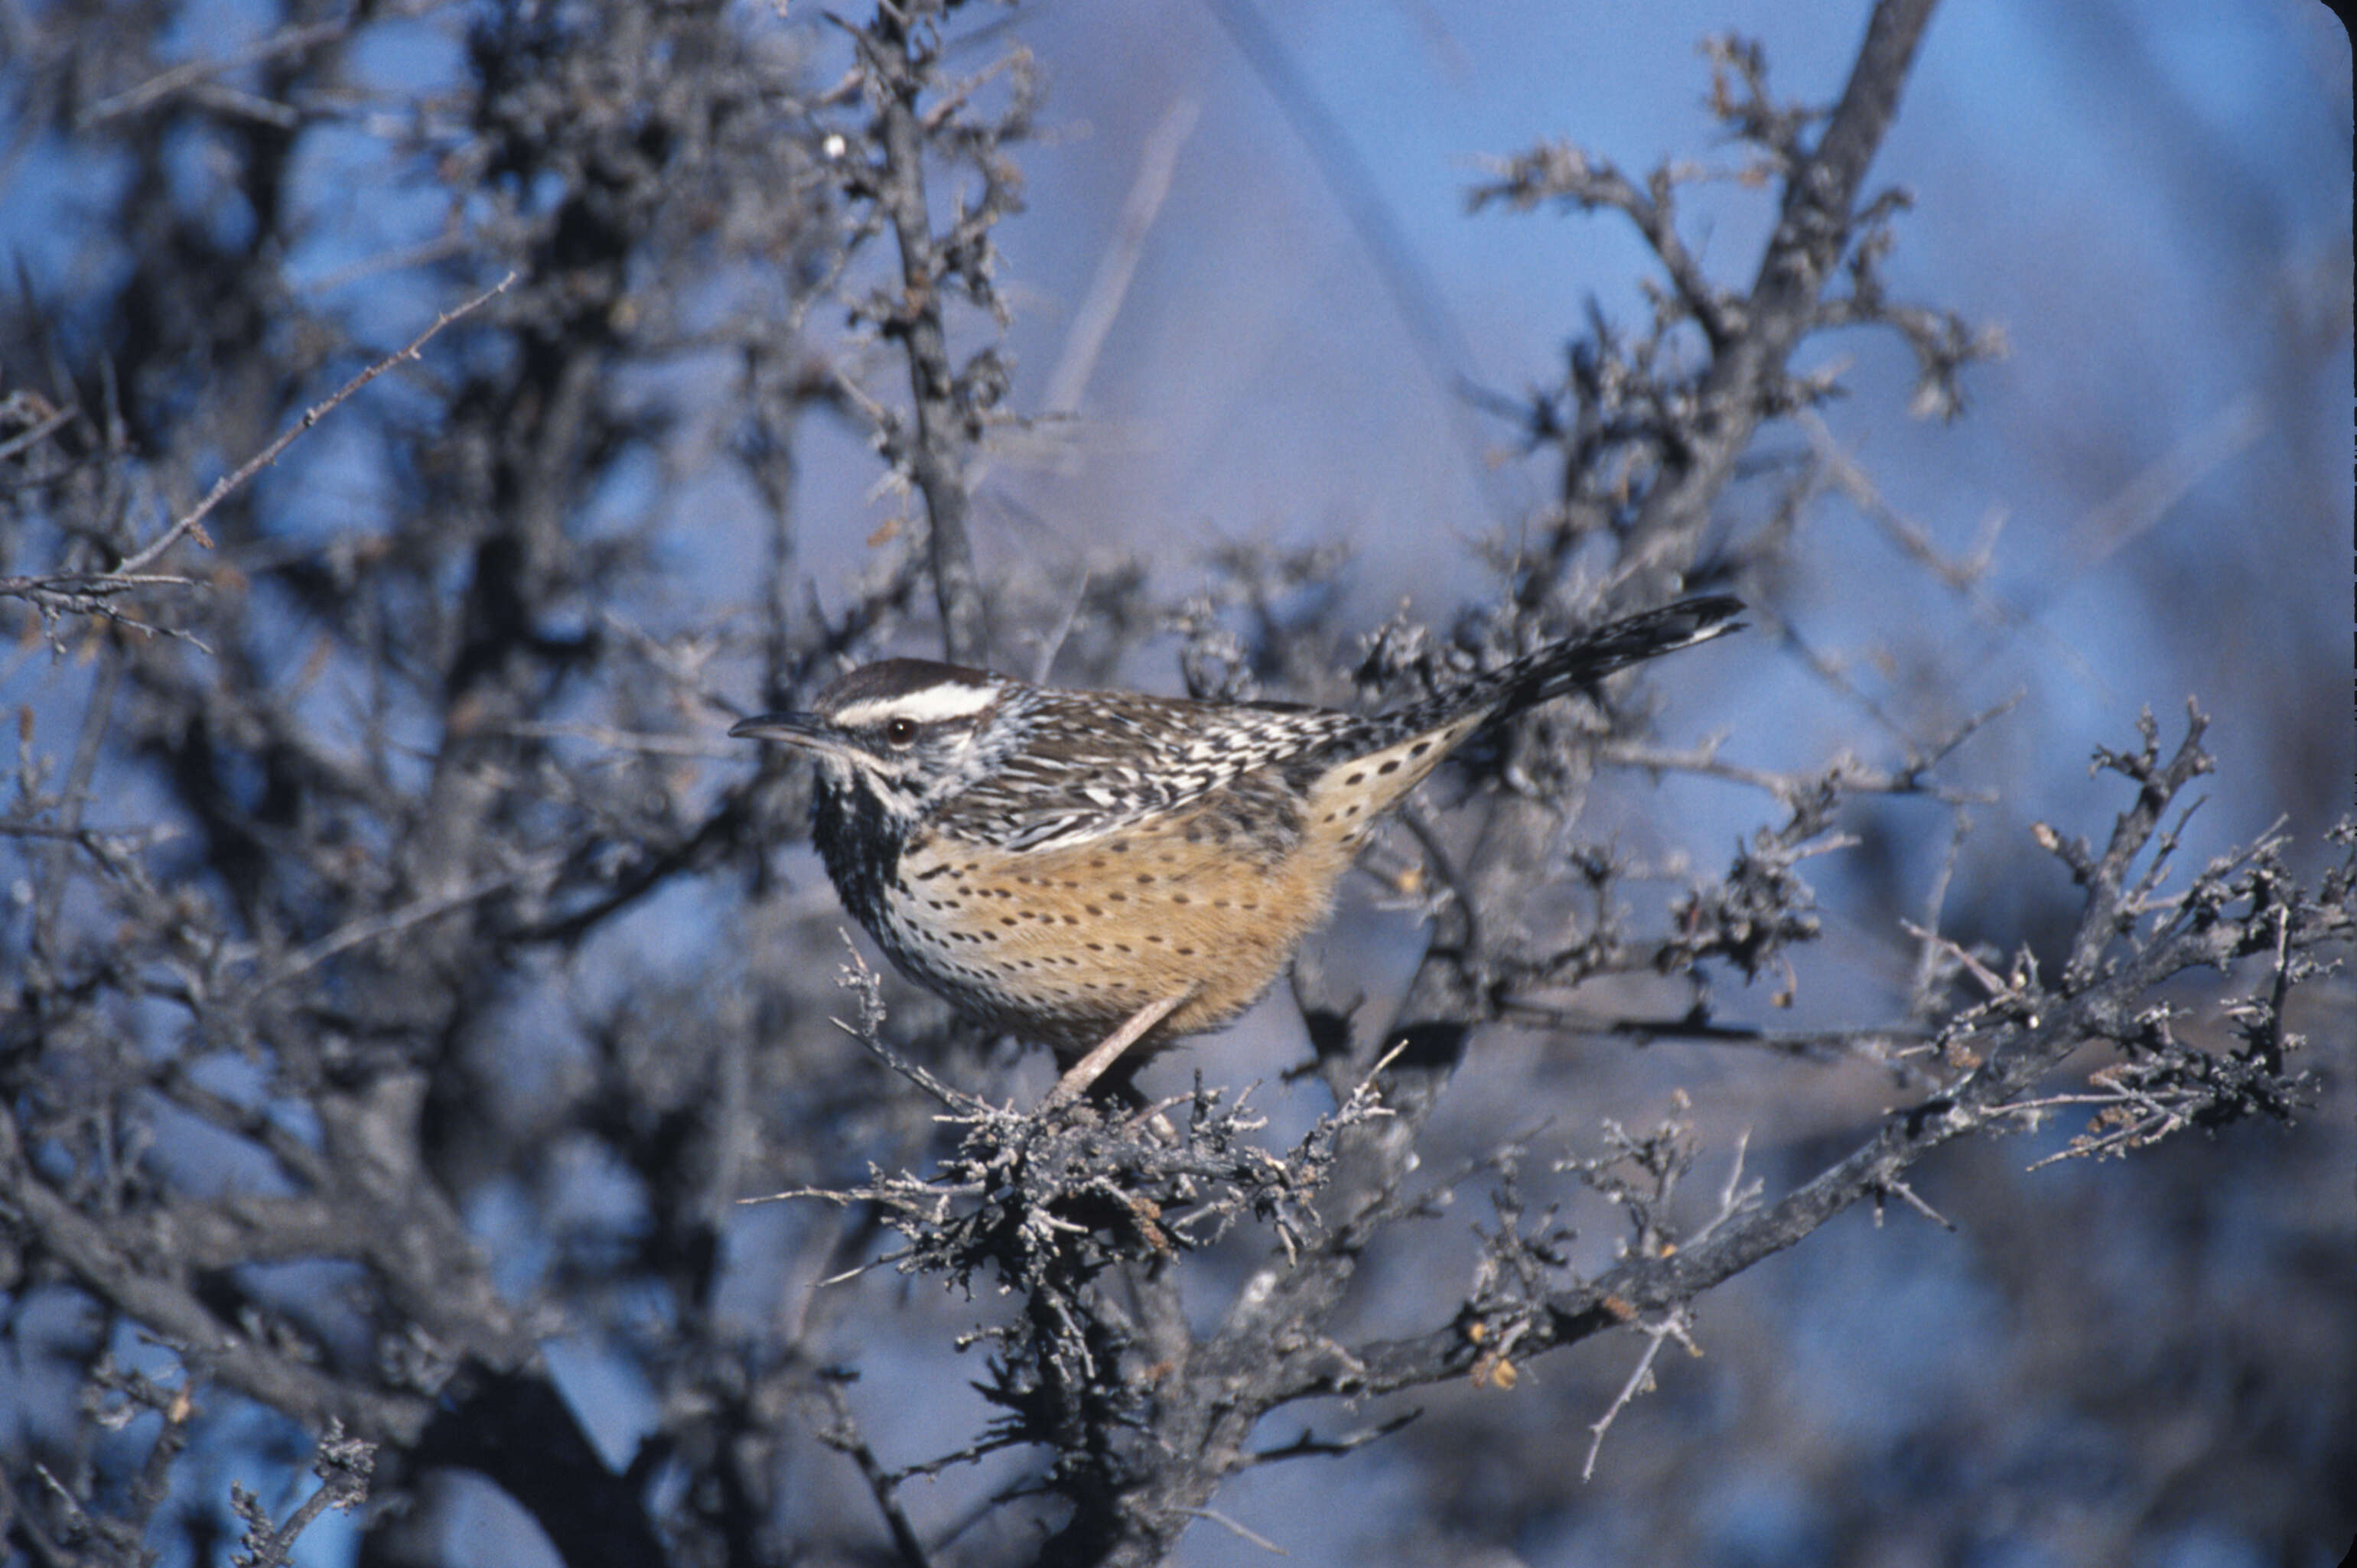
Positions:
{"x": 191, "y": 523}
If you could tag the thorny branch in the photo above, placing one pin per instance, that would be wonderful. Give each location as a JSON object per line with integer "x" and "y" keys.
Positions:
{"x": 901, "y": 63}
{"x": 2239, "y": 905}
{"x": 1067, "y": 1192}
{"x": 1052, "y": 1205}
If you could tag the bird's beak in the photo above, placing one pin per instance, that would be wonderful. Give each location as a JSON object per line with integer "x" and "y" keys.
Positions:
{"x": 794, "y": 729}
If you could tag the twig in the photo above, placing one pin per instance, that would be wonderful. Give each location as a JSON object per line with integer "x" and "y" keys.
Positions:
{"x": 288, "y": 40}
{"x": 1103, "y": 304}
{"x": 901, "y": 69}
{"x": 1639, "y": 1379}
{"x": 1735, "y": 1196}
{"x": 1990, "y": 981}
{"x": 192, "y": 521}
{"x": 1914, "y": 1201}
{"x": 14, "y": 1516}
{"x": 343, "y": 1466}
{"x": 1928, "y": 972}
{"x": 1263, "y": 1542}
{"x": 1965, "y": 576}
{"x": 1883, "y": 1045}
{"x": 1309, "y": 1445}
{"x": 1819, "y": 216}
{"x": 417, "y": 911}
{"x": 856, "y": 977}
{"x": 25, "y": 440}
{"x": 75, "y": 794}
{"x": 843, "y": 1435}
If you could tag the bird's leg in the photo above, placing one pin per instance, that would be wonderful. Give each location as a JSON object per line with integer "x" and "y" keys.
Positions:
{"x": 1093, "y": 1065}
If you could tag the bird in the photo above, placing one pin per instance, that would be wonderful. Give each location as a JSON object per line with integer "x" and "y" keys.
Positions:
{"x": 1106, "y": 873}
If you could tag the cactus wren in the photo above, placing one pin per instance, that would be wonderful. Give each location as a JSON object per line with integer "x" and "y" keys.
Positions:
{"x": 1102, "y": 869}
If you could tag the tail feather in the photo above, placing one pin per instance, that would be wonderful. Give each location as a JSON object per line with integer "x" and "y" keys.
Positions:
{"x": 1585, "y": 660}
{"x": 1575, "y": 664}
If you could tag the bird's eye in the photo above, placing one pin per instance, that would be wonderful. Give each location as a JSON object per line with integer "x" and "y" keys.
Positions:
{"x": 900, "y": 732}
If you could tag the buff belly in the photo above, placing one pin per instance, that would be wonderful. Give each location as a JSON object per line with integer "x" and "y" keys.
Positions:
{"x": 1062, "y": 945}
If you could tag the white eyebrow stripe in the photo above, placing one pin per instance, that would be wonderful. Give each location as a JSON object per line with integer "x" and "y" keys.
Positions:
{"x": 929, "y": 707}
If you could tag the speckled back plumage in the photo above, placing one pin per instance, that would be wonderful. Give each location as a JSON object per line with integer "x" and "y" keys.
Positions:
{"x": 1066, "y": 766}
